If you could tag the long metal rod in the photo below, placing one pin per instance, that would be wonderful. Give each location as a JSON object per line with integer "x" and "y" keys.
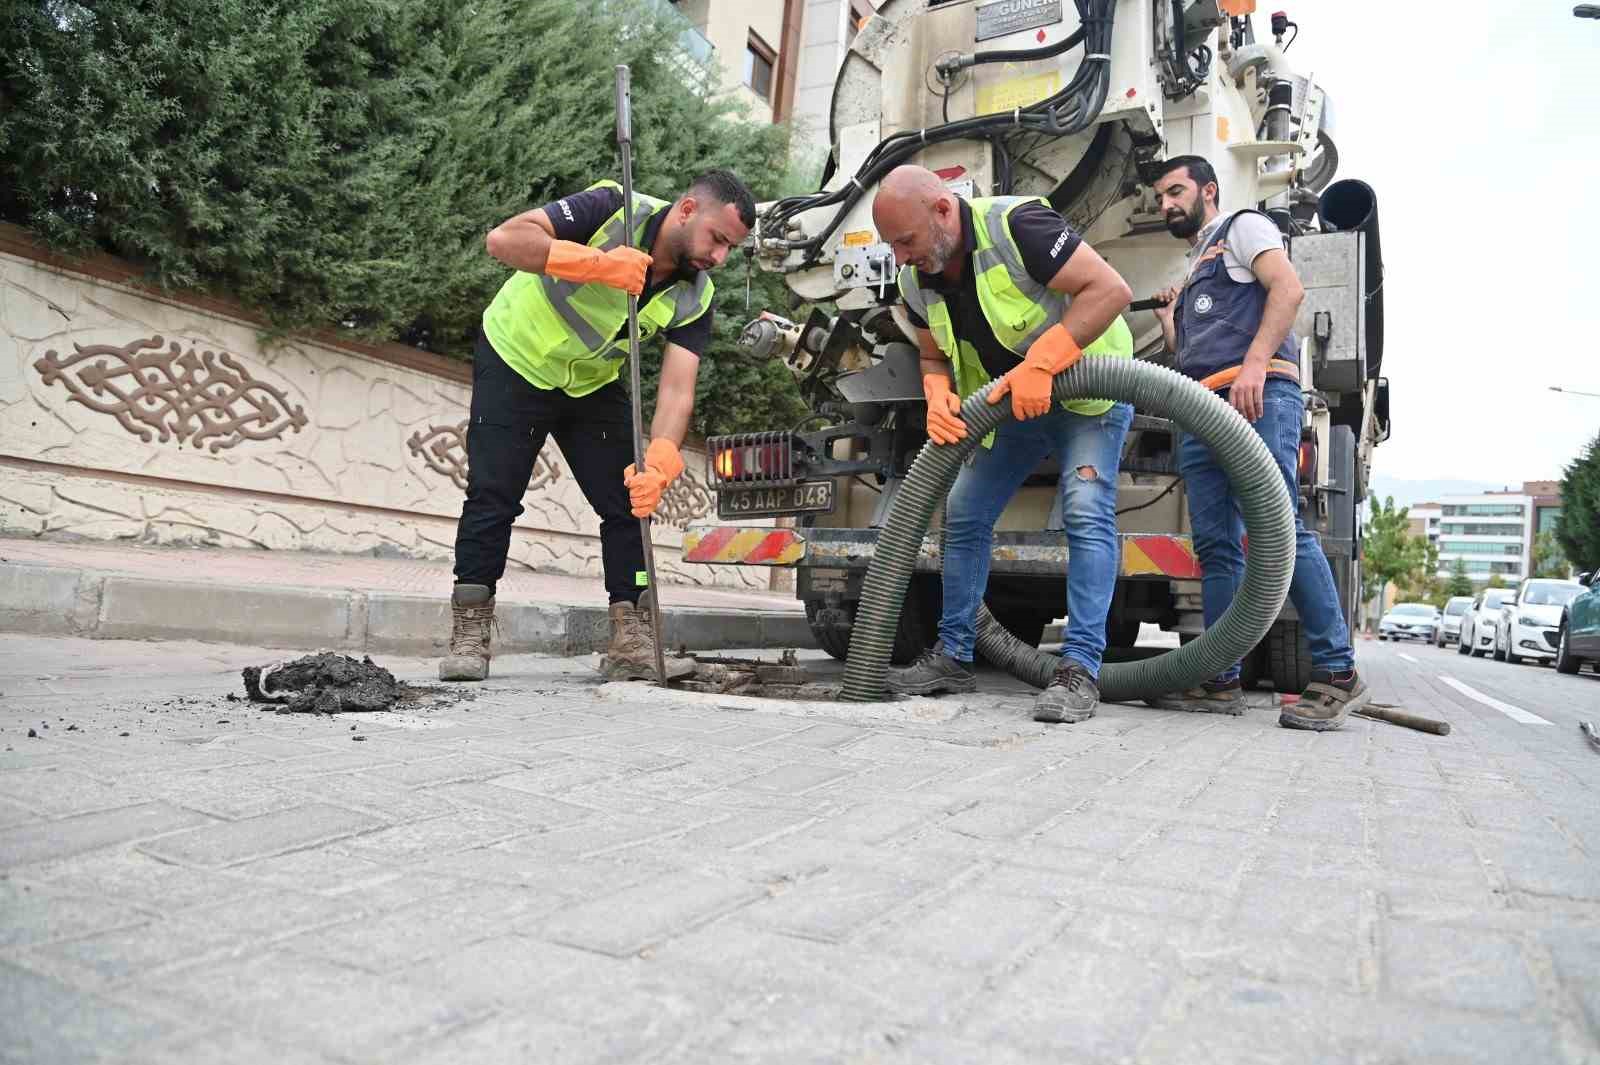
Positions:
{"x": 625, "y": 143}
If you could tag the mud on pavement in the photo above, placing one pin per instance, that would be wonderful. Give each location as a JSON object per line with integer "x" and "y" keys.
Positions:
{"x": 327, "y": 683}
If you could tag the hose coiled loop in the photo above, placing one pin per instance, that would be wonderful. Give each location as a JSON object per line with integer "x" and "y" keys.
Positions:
{"x": 1257, "y": 484}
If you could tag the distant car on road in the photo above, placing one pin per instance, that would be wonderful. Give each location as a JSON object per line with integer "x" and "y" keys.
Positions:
{"x": 1450, "y": 620}
{"x": 1479, "y": 622}
{"x": 1530, "y": 624}
{"x": 1409, "y": 621}
{"x": 1579, "y": 639}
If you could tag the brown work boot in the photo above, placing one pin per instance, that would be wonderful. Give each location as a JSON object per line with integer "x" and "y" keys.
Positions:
{"x": 631, "y": 654}
{"x": 471, "y": 617}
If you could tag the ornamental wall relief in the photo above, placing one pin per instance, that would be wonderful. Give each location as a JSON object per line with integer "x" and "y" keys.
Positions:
{"x": 161, "y": 419}
{"x": 203, "y": 398}
{"x": 443, "y": 448}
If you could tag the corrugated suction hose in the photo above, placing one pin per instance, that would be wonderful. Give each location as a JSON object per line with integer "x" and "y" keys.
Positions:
{"x": 1254, "y": 476}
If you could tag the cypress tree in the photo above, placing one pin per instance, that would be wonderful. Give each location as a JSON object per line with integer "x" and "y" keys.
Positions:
{"x": 1578, "y": 531}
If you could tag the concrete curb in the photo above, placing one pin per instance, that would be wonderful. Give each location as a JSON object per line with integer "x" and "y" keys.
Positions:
{"x": 59, "y": 601}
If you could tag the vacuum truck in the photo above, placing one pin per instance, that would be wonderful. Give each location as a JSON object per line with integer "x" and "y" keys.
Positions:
{"x": 1078, "y": 103}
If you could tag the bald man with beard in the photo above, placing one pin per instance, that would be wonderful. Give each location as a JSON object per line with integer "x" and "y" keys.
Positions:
{"x": 1001, "y": 287}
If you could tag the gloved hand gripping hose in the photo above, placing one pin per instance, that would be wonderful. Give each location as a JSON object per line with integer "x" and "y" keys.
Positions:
{"x": 1252, "y": 472}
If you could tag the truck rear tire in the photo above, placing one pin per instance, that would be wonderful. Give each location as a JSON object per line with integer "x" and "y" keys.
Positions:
{"x": 915, "y": 633}
{"x": 1121, "y": 632}
{"x": 834, "y": 641}
{"x": 1250, "y": 668}
{"x": 1288, "y": 657}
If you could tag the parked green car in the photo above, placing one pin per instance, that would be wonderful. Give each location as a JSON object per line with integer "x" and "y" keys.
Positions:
{"x": 1579, "y": 639}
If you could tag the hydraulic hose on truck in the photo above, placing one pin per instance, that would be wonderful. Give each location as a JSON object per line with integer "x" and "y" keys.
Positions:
{"x": 1252, "y": 472}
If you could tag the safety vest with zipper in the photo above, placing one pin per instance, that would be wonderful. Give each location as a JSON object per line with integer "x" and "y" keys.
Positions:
{"x": 1018, "y": 308}
{"x": 560, "y": 334}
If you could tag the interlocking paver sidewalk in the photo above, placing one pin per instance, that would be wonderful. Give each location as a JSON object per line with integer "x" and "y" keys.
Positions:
{"x": 560, "y": 871}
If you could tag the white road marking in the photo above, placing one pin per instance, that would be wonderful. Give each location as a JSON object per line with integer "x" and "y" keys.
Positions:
{"x": 1407, "y": 657}
{"x": 1515, "y": 713}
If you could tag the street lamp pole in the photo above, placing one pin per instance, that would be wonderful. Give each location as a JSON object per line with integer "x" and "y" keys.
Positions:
{"x": 1574, "y": 391}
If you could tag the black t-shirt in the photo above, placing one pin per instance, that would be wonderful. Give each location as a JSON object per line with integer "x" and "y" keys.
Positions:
{"x": 1046, "y": 243}
{"x": 579, "y": 216}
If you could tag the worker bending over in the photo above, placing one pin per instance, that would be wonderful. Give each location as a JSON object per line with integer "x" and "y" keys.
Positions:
{"x": 551, "y": 347}
{"x": 1002, "y": 287}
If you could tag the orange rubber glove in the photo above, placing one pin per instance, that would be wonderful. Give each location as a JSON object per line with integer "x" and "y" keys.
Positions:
{"x": 1029, "y": 384}
{"x": 944, "y": 410}
{"x": 620, "y": 268}
{"x": 662, "y": 465}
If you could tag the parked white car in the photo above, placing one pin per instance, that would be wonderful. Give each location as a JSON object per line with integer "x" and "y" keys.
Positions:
{"x": 1530, "y": 625}
{"x": 1409, "y": 621}
{"x": 1479, "y": 622}
{"x": 1450, "y": 620}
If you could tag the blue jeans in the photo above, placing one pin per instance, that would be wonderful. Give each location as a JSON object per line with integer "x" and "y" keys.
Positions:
{"x": 1089, "y": 512}
{"x": 1218, "y": 530}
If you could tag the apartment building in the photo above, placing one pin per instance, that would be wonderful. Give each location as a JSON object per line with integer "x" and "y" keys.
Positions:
{"x": 1424, "y": 521}
{"x": 1490, "y": 532}
{"x": 778, "y": 56}
{"x": 1493, "y": 532}
{"x": 1546, "y": 504}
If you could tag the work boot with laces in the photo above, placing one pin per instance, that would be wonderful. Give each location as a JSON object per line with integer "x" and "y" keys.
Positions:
{"x": 631, "y": 654}
{"x": 1071, "y": 697}
{"x": 471, "y": 618}
{"x": 933, "y": 672}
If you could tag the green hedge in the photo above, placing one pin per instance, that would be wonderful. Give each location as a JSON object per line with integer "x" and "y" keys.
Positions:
{"x": 338, "y": 162}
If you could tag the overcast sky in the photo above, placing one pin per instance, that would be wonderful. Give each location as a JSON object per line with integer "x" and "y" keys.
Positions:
{"x": 1478, "y": 125}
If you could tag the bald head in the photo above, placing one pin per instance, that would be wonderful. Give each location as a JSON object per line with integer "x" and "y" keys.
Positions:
{"x": 919, "y": 218}
{"x": 914, "y": 184}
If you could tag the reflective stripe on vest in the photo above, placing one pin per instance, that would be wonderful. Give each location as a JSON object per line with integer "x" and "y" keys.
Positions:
{"x": 1018, "y": 309}
{"x": 560, "y": 334}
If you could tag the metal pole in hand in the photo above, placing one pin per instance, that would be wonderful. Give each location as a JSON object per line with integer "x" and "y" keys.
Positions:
{"x": 625, "y": 143}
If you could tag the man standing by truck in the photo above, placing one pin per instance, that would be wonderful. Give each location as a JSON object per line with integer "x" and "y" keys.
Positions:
{"x": 552, "y": 345}
{"x": 1002, "y": 287}
{"x": 1230, "y": 325}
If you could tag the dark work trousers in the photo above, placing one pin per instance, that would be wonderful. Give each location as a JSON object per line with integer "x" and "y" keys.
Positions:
{"x": 511, "y": 420}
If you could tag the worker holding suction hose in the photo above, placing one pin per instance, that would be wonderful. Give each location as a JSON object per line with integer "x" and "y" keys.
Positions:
{"x": 1003, "y": 288}
{"x": 1230, "y": 325}
{"x": 551, "y": 348}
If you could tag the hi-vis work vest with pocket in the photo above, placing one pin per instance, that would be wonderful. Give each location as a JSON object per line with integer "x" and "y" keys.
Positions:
{"x": 1017, "y": 307}
{"x": 559, "y": 334}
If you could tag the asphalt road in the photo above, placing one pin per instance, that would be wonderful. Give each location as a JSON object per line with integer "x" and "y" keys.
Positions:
{"x": 1487, "y": 689}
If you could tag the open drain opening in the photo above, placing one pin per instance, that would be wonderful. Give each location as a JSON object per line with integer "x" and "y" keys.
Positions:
{"x": 783, "y": 679}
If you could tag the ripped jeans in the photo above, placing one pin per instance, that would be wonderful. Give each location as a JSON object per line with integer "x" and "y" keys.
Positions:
{"x": 1089, "y": 512}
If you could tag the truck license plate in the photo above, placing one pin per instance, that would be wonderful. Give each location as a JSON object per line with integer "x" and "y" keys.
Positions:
{"x": 807, "y": 496}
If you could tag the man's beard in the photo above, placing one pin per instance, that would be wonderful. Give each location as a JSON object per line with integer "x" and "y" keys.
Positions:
{"x": 1188, "y": 225}
{"x": 680, "y": 246}
{"x": 942, "y": 249}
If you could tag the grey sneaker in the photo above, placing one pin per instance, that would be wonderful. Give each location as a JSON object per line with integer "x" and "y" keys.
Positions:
{"x": 471, "y": 618}
{"x": 1211, "y": 697}
{"x": 1071, "y": 697}
{"x": 1326, "y": 702}
{"x": 933, "y": 672}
